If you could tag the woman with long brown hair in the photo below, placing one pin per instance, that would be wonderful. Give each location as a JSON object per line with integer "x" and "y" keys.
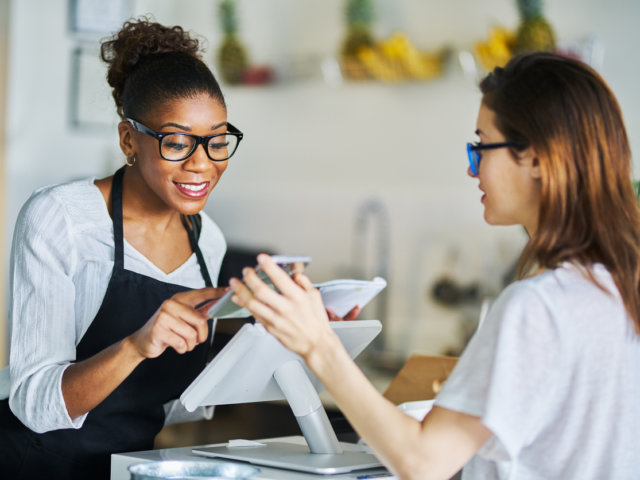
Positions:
{"x": 548, "y": 387}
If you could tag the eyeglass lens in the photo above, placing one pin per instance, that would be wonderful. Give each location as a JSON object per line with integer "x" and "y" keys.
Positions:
{"x": 474, "y": 159}
{"x": 179, "y": 146}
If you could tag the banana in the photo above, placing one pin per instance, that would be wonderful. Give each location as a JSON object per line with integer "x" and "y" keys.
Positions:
{"x": 497, "y": 49}
{"x": 378, "y": 66}
{"x": 395, "y": 59}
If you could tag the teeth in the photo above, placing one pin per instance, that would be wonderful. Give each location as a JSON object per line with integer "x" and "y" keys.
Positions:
{"x": 193, "y": 188}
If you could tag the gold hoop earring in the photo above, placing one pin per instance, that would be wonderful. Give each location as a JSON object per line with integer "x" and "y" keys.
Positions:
{"x": 131, "y": 160}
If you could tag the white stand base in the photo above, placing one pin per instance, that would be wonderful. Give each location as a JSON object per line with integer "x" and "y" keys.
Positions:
{"x": 296, "y": 456}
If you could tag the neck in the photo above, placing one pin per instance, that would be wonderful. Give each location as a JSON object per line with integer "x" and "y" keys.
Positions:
{"x": 141, "y": 205}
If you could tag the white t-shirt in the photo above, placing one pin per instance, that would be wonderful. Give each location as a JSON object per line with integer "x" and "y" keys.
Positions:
{"x": 554, "y": 373}
{"x": 61, "y": 264}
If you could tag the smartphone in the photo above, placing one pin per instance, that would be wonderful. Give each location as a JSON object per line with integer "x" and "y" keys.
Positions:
{"x": 225, "y": 308}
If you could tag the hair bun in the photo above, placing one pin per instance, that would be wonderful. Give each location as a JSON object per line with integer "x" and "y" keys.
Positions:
{"x": 135, "y": 42}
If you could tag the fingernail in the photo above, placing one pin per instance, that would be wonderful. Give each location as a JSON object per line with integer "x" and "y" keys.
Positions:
{"x": 245, "y": 270}
{"x": 233, "y": 282}
{"x": 235, "y": 299}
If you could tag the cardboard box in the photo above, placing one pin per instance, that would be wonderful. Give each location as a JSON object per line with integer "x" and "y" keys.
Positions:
{"x": 421, "y": 378}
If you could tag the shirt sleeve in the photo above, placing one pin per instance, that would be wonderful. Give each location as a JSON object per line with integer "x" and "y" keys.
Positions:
{"x": 508, "y": 372}
{"x": 42, "y": 316}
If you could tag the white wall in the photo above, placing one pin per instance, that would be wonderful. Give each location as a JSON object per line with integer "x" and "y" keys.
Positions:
{"x": 4, "y": 40}
{"x": 313, "y": 153}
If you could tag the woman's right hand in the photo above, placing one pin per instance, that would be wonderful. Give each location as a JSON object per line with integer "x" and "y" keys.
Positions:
{"x": 177, "y": 323}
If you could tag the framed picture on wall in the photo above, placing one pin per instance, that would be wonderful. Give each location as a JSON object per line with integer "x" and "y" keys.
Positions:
{"x": 98, "y": 16}
{"x": 91, "y": 105}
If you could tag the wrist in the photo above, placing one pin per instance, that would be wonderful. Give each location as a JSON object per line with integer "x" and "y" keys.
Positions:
{"x": 326, "y": 356}
{"x": 129, "y": 350}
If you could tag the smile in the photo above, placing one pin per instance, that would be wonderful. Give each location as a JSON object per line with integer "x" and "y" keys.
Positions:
{"x": 195, "y": 190}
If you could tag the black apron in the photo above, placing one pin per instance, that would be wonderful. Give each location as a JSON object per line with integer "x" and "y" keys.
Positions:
{"x": 131, "y": 416}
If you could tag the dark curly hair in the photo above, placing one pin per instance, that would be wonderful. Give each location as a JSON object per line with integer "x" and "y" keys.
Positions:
{"x": 150, "y": 64}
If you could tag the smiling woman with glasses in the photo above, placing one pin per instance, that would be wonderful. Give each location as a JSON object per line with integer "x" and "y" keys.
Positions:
{"x": 111, "y": 272}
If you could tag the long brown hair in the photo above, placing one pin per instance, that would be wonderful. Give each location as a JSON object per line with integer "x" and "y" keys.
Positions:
{"x": 588, "y": 211}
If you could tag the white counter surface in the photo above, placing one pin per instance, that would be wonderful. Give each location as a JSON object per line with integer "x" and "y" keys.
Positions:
{"x": 120, "y": 463}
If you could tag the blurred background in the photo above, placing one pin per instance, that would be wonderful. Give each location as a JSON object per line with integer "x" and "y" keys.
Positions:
{"x": 355, "y": 114}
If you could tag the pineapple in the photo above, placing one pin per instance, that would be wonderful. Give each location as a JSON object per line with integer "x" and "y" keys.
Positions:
{"x": 232, "y": 56}
{"x": 534, "y": 33}
{"x": 358, "y": 36}
{"x": 359, "y": 16}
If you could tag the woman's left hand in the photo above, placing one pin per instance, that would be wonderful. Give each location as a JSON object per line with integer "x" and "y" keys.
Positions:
{"x": 296, "y": 316}
{"x": 351, "y": 314}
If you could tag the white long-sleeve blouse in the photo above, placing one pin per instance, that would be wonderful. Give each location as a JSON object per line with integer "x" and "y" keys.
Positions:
{"x": 61, "y": 264}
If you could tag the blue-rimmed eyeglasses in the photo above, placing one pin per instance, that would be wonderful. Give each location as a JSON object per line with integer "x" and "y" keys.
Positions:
{"x": 473, "y": 151}
{"x": 177, "y": 146}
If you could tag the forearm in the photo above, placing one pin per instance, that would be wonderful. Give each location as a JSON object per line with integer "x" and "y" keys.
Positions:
{"x": 87, "y": 383}
{"x": 296, "y": 316}
{"x": 434, "y": 449}
{"x": 393, "y": 435}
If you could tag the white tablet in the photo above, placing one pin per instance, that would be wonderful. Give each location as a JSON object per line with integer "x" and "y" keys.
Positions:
{"x": 242, "y": 371}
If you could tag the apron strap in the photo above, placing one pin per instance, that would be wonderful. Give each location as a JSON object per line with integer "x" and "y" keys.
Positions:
{"x": 193, "y": 226}
{"x": 116, "y": 213}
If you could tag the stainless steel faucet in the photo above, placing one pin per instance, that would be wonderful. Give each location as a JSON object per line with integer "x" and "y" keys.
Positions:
{"x": 372, "y": 229}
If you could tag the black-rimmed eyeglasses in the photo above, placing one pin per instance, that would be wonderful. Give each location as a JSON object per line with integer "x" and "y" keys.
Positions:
{"x": 473, "y": 152}
{"x": 178, "y": 146}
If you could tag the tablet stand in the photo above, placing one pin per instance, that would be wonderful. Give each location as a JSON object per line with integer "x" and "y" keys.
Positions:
{"x": 254, "y": 366}
{"x": 307, "y": 408}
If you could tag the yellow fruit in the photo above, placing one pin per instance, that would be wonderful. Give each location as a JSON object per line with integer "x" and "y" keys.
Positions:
{"x": 496, "y": 50}
{"x": 377, "y": 65}
{"x": 395, "y": 59}
{"x": 501, "y": 35}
